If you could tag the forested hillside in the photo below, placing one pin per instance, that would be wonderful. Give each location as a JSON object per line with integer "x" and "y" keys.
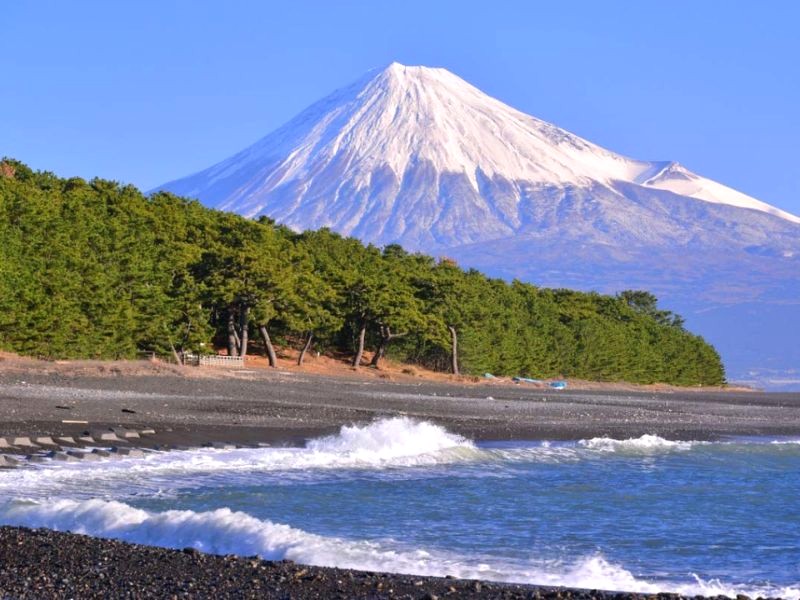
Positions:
{"x": 95, "y": 269}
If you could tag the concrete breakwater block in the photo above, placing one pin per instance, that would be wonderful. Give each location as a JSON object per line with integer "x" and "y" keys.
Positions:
{"x": 221, "y": 446}
{"x": 4, "y": 443}
{"x": 7, "y": 462}
{"x": 66, "y": 439}
{"x": 86, "y": 439}
{"x": 126, "y": 433}
{"x": 171, "y": 448}
{"x": 61, "y": 457}
{"x": 45, "y": 441}
{"x": 36, "y": 458}
{"x": 101, "y": 453}
{"x": 23, "y": 442}
{"x": 128, "y": 452}
{"x": 87, "y": 456}
{"x": 147, "y": 431}
{"x": 106, "y": 436}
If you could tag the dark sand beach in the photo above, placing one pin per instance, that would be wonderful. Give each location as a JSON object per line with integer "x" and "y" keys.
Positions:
{"x": 285, "y": 407}
{"x": 276, "y": 406}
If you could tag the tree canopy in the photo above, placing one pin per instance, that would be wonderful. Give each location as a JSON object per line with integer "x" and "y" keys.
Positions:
{"x": 96, "y": 269}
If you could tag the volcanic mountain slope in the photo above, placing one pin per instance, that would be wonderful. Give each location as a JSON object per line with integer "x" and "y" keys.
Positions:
{"x": 418, "y": 156}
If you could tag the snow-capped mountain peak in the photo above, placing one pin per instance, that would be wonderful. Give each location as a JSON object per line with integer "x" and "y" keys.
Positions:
{"x": 417, "y": 155}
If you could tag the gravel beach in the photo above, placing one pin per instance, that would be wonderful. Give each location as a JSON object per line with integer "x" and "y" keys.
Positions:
{"x": 191, "y": 408}
{"x": 40, "y": 564}
{"x": 259, "y": 405}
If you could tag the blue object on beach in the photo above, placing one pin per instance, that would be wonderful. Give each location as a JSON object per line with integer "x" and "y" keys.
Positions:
{"x": 525, "y": 380}
{"x": 558, "y": 385}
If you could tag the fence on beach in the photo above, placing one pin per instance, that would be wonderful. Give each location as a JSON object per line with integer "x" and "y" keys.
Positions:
{"x": 213, "y": 360}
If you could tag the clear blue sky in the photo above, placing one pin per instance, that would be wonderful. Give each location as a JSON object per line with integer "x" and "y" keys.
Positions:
{"x": 148, "y": 91}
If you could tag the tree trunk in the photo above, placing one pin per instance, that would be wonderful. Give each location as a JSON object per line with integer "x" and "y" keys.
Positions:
{"x": 380, "y": 351}
{"x": 273, "y": 360}
{"x": 306, "y": 346}
{"x": 386, "y": 337}
{"x": 454, "y": 354}
{"x": 175, "y": 355}
{"x": 244, "y": 326}
{"x": 237, "y": 341}
{"x": 360, "y": 352}
{"x": 232, "y": 337}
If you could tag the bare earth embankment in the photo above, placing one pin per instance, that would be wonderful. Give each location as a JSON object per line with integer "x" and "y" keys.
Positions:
{"x": 192, "y": 406}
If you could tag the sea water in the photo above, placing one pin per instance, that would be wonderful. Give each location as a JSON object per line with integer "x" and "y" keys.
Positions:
{"x": 643, "y": 514}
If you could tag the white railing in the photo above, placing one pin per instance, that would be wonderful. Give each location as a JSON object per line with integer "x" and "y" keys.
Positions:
{"x": 213, "y": 360}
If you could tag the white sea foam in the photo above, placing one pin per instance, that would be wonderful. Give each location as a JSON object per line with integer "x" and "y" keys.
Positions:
{"x": 386, "y": 441}
{"x": 646, "y": 444}
{"x": 64, "y": 497}
{"x": 223, "y": 531}
{"x": 385, "y": 444}
{"x": 383, "y": 448}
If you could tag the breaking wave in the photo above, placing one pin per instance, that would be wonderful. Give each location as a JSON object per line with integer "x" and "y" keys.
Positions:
{"x": 223, "y": 531}
{"x": 385, "y": 444}
{"x": 92, "y": 499}
{"x": 394, "y": 440}
{"x": 647, "y": 444}
{"x": 383, "y": 448}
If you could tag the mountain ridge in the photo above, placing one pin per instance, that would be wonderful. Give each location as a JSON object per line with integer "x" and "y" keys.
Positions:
{"x": 388, "y": 123}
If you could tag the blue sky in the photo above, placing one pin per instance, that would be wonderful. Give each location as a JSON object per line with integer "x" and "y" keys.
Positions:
{"x": 149, "y": 91}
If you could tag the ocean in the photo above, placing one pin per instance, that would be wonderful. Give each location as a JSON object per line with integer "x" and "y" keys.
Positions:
{"x": 643, "y": 514}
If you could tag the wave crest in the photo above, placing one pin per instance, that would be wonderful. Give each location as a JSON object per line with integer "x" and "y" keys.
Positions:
{"x": 388, "y": 439}
{"x": 224, "y": 531}
{"x": 646, "y": 444}
{"x": 384, "y": 444}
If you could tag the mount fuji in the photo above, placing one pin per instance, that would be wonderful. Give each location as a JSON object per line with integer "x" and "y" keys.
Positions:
{"x": 417, "y": 156}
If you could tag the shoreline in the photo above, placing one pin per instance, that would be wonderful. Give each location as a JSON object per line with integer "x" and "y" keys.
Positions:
{"x": 278, "y": 408}
{"x": 193, "y": 406}
{"x": 42, "y": 563}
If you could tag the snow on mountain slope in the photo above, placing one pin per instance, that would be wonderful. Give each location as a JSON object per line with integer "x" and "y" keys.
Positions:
{"x": 418, "y": 156}
{"x": 674, "y": 177}
{"x": 402, "y": 115}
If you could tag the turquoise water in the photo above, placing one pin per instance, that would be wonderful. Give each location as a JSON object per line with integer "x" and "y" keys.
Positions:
{"x": 644, "y": 514}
